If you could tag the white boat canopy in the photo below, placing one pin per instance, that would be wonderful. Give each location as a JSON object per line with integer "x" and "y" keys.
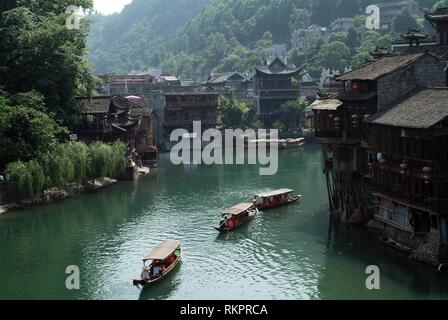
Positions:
{"x": 274, "y": 193}
{"x": 162, "y": 251}
{"x": 240, "y": 208}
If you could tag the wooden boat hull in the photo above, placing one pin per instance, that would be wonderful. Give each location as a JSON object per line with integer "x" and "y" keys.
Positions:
{"x": 397, "y": 246}
{"x": 245, "y": 221}
{"x": 139, "y": 282}
{"x": 290, "y": 201}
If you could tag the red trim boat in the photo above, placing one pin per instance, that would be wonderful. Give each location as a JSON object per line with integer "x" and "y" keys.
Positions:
{"x": 275, "y": 198}
{"x": 237, "y": 216}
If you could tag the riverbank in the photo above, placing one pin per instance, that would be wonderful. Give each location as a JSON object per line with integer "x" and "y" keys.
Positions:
{"x": 55, "y": 194}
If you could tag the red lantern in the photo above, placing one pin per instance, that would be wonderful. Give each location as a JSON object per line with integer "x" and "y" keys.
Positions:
{"x": 404, "y": 168}
{"x": 355, "y": 118}
{"x": 382, "y": 161}
{"x": 427, "y": 170}
{"x": 337, "y": 122}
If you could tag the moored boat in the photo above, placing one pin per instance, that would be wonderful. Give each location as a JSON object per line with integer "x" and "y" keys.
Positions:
{"x": 163, "y": 259}
{"x": 237, "y": 216}
{"x": 275, "y": 198}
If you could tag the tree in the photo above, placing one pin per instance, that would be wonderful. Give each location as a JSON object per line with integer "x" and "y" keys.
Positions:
{"x": 26, "y": 132}
{"x": 373, "y": 39}
{"x": 294, "y": 112}
{"x": 334, "y": 55}
{"x": 352, "y": 39}
{"x": 440, "y": 4}
{"x": 42, "y": 55}
{"x": 361, "y": 57}
{"x": 403, "y": 21}
{"x": 299, "y": 19}
{"x": 233, "y": 113}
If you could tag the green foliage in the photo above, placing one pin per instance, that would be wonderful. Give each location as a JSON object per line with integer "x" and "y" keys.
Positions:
{"x": 65, "y": 164}
{"x": 440, "y": 4}
{"x": 39, "y": 53}
{"x": 334, "y": 55}
{"x": 403, "y": 21}
{"x": 26, "y": 132}
{"x": 278, "y": 125}
{"x": 233, "y": 112}
{"x": 299, "y": 19}
{"x": 294, "y": 112}
{"x": 106, "y": 160}
{"x": 361, "y": 57}
{"x": 194, "y": 37}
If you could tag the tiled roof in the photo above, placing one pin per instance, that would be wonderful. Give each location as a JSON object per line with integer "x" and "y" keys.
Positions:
{"x": 440, "y": 15}
{"x": 188, "y": 90}
{"x": 228, "y": 76}
{"x": 94, "y": 104}
{"x": 423, "y": 109}
{"x": 382, "y": 66}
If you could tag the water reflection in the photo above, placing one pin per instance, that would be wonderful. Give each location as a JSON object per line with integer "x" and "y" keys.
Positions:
{"x": 292, "y": 252}
{"x": 351, "y": 249}
{"x": 163, "y": 292}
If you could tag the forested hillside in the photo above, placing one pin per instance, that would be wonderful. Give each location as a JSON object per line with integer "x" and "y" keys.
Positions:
{"x": 138, "y": 36}
{"x": 194, "y": 37}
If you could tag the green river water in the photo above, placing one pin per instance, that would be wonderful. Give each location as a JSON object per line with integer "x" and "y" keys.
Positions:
{"x": 292, "y": 252}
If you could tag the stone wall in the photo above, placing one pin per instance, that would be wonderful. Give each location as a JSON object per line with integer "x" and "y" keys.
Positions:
{"x": 396, "y": 86}
{"x": 425, "y": 247}
{"x": 428, "y": 249}
{"x": 427, "y": 72}
{"x": 431, "y": 73}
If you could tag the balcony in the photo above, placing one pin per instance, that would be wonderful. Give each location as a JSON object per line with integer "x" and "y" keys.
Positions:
{"x": 328, "y": 133}
{"x": 191, "y": 104}
{"x": 181, "y": 123}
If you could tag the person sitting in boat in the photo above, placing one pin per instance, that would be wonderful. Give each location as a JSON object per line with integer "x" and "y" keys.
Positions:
{"x": 223, "y": 222}
{"x": 157, "y": 270}
{"x": 145, "y": 274}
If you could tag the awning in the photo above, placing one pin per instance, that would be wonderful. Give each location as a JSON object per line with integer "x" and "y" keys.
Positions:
{"x": 163, "y": 250}
{"x": 326, "y": 104}
{"x": 240, "y": 208}
{"x": 118, "y": 128}
{"x": 274, "y": 193}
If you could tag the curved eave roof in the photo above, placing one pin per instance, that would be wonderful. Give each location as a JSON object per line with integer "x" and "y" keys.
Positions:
{"x": 440, "y": 15}
{"x": 282, "y": 72}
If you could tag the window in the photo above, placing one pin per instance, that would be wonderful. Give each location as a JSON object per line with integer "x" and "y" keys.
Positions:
{"x": 443, "y": 230}
{"x": 434, "y": 222}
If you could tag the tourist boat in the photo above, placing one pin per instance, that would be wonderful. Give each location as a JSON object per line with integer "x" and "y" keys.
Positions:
{"x": 275, "y": 198}
{"x": 166, "y": 256}
{"x": 237, "y": 216}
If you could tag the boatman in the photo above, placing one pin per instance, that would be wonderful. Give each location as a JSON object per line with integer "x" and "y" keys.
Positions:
{"x": 145, "y": 274}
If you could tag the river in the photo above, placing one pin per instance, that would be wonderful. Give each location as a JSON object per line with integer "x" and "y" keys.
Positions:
{"x": 292, "y": 252}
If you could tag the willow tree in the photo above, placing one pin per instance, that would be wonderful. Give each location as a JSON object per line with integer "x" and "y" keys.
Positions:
{"x": 106, "y": 160}
{"x": 27, "y": 179}
{"x": 78, "y": 153}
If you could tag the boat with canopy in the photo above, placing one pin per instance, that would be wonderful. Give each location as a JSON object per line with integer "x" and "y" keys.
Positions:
{"x": 162, "y": 260}
{"x": 275, "y": 198}
{"x": 237, "y": 216}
